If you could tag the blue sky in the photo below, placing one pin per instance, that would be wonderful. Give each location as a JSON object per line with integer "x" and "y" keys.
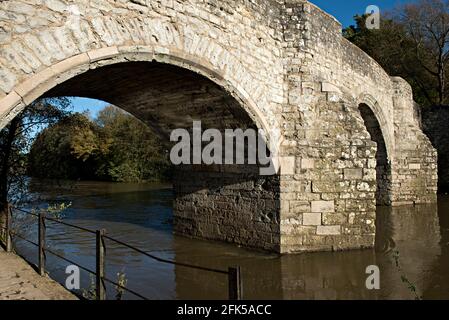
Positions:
{"x": 90, "y": 105}
{"x": 343, "y": 10}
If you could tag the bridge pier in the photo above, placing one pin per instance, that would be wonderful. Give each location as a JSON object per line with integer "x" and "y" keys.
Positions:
{"x": 415, "y": 163}
{"x": 354, "y": 138}
{"x": 328, "y": 201}
{"x": 227, "y": 203}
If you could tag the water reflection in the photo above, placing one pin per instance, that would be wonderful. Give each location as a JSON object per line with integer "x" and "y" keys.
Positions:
{"x": 415, "y": 233}
{"x": 141, "y": 215}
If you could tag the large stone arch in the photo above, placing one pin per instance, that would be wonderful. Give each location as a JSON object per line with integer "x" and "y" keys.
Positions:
{"x": 77, "y": 35}
{"x": 220, "y": 193}
{"x": 74, "y": 39}
{"x": 44, "y": 81}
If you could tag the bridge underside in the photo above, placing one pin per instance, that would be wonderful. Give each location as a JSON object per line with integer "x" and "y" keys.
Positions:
{"x": 231, "y": 203}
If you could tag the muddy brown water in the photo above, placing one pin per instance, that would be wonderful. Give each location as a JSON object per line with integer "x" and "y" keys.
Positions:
{"x": 141, "y": 215}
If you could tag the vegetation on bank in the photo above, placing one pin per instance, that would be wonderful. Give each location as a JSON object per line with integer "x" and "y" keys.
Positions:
{"x": 413, "y": 43}
{"x": 48, "y": 140}
{"x": 15, "y": 141}
{"x": 114, "y": 146}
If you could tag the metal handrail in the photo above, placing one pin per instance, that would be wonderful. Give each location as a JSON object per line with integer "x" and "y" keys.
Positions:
{"x": 70, "y": 225}
{"x": 234, "y": 276}
{"x": 23, "y": 238}
{"x": 165, "y": 260}
{"x": 127, "y": 245}
{"x": 26, "y": 212}
{"x": 69, "y": 261}
{"x": 64, "y": 258}
{"x": 125, "y": 288}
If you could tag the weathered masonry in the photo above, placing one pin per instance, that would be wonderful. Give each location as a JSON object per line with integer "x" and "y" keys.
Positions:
{"x": 349, "y": 134}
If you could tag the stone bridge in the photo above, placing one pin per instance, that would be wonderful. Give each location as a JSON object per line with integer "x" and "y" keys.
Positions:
{"x": 349, "y": 132}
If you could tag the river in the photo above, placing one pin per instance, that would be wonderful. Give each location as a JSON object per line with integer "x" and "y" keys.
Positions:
{"x": 141, "y": 215}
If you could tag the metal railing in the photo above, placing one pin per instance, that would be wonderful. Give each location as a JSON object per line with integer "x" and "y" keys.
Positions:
{"x": 235, "y": 284}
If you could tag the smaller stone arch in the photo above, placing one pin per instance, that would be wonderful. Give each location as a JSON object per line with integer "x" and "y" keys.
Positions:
{"x": 377, "y": 126}
{"x": 385, "y": 124}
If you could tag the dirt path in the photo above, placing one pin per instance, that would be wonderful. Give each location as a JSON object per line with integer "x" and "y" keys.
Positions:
{"x": 18, "y": 281}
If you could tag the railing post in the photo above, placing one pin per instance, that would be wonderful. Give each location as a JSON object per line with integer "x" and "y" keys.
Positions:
{"x": 42, "y": 257}
{"x": 235, "y": 283}
{"x": 101, "y": 250}
{"x": 8, "y": 229}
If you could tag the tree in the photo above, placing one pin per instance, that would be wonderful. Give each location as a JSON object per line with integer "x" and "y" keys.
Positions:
{"x": 427, "y": 23}
{"x": 65, "y": 149}
{"x": 412, "y": 43}
{"x": 113, "y": 147}
{"x": 135, "y": 152}
{"x": 15, "y": 141}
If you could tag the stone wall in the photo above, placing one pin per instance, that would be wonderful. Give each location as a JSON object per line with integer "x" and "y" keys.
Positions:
{"x": 328, "y": 200}
{"x": 329, "y": 203}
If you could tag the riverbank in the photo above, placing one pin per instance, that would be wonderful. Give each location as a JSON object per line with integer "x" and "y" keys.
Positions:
{"x": 18, "y": 281}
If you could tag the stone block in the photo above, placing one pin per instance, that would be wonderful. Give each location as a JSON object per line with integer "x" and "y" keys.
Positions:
{"x": 103, "y": 53}
{"x": 332, "y": 219}
{"x": 299, "y": 206}
{"x": 323, "y": 206}
{"x": 70, "y": 63}
{"x": 329, "y": 87}
{"x": 307, "y": 163}
{"x": 9, "y": 102}
{"x": 328, "y": 230}
{"x": 288, "y": 165}
{"x": 7, "y": 80}
{"x": 311, "y": 219}
{"x": 353, "y": 174}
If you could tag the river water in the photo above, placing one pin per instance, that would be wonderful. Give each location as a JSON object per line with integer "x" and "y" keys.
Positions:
{"x": 412, "y": 245}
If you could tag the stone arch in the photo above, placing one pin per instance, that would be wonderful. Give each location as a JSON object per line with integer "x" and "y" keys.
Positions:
{"x": 243, "y": 47}
{"x": 189, "y": 34}
{"x": 385, "y": 124}
{"x": 211, "y": 202}
{"x": 45, "y": 80}
{"x": 243, "y": 62}
{"x": 383, "y": 160}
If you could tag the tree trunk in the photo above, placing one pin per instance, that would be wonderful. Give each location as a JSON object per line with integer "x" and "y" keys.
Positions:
{"x": 441, "y": 86}
{"x": 441, "y": 75}
{"x": 5, "y": 167}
